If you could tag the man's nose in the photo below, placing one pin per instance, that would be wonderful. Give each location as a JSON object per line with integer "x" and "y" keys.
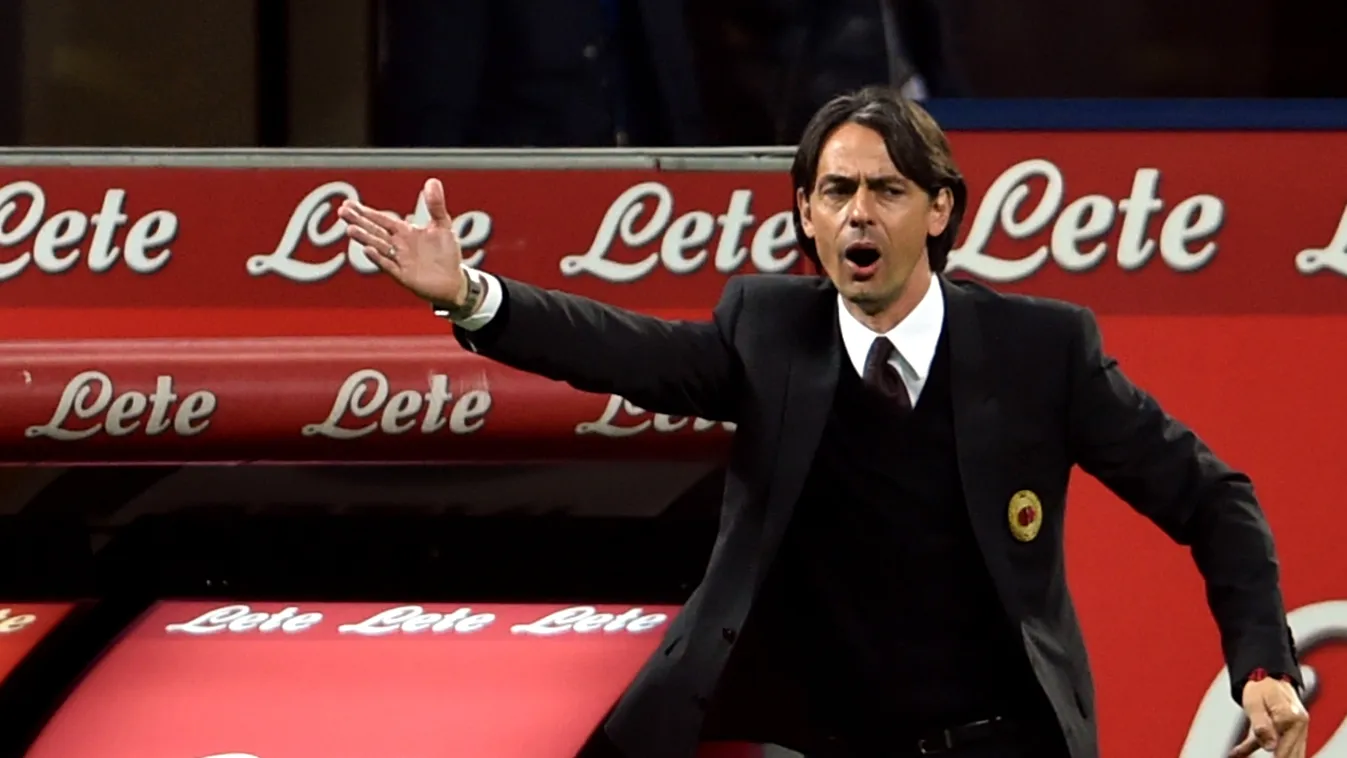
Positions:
{"x": 861, "y": 212}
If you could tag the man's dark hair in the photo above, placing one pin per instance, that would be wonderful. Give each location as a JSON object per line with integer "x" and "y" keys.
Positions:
{"x": 917, "y": 146}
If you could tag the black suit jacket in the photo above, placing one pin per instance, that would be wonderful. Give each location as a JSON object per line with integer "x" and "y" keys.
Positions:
{"x": 1034, "y": 394}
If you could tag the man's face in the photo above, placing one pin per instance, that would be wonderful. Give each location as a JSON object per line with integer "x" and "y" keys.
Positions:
{"x": 868, "y": 221}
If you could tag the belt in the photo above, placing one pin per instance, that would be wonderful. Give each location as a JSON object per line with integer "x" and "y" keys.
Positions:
{"x": 932, "y": 743}
{"x": 955, "y": 737}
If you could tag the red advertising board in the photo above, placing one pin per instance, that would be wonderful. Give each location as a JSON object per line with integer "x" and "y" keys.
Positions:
{"x": 328, "y": 398}
{"x": 296, "y": 680}
{"x": 1150, "y": 222}
{"x": 210, "y": 252}
{"x": 1218, "y": 263}
{"x": 22, "y": 626}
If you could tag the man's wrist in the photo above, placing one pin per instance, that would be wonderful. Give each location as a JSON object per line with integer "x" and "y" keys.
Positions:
{"x": 472, "y": 294}
{"x": 1260, "y": 674}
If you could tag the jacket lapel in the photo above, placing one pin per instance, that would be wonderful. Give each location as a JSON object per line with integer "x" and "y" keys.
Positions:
{"x": 970, "y": 380}
{"x": 811, "y": 382}
{"x": 976, "y": 419}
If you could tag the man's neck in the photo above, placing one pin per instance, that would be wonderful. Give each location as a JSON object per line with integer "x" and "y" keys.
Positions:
{"x": 883, "y": 322}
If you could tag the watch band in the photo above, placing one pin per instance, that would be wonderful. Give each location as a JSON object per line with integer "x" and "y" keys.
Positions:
{"x": 471, "y": 301}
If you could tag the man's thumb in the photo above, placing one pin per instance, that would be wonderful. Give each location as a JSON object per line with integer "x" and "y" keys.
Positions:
{"x": 1263, "y": 730}
{"x": 1261, "y": 734}
{"x": 435, "y": 205}
{"x": 1247, "y": 747}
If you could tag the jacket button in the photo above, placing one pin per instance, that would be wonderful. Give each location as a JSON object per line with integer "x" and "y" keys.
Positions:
{"x": 729, "y": 634}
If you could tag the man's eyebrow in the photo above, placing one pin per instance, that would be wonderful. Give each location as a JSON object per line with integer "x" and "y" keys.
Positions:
{"x": 871, "y": 180}
{"x": 833, "y": 178}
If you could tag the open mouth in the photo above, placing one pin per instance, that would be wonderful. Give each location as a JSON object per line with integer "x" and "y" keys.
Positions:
{"x": 863, "y": 257}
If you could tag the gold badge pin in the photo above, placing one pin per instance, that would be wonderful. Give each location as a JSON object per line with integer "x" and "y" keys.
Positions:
{"x": 1026, "y": 515}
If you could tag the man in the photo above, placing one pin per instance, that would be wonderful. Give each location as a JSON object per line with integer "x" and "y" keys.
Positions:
{"x": 890, "y": 550}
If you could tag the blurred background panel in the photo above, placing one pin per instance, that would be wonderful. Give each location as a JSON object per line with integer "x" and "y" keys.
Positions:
{"x": 330, "y": 59}
{"x": 305, "y": 72}
{"x": 138, "y": 72}
{"x": 165, "y": 72}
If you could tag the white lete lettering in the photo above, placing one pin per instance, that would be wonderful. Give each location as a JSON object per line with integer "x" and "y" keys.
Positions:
{"x": 56, "y": 239}
{"x": 1332, "y": 256}
{"x": 413, "y": 619}
{"x": 1193, "y": 220}
{"x": 306, "y": 225}
{"x": 684, "y": 240}
{"x": 13, "y": 624}
{"x": 91, "y": 394}
{"x": 586, "y": 619}
{"x": 610, "y": 422}
{"x": 365, "y": 393}
{"x": 241, "y": 619}
{"x": 1219, "y": 723}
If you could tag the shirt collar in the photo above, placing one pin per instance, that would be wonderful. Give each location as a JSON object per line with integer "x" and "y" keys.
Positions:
{"x": 915, "y": 337}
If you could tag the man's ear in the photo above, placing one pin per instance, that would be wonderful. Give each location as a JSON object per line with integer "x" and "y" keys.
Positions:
{"x": 942, "y": 207}
{"x": 806, "y": 220}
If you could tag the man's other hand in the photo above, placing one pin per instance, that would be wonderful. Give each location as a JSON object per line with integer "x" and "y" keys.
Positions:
{"x": 1278, "y": 721}
{"x": 424, "y": 259}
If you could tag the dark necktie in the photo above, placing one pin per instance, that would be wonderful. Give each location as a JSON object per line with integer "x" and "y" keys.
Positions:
{"x": 882, "y": 376}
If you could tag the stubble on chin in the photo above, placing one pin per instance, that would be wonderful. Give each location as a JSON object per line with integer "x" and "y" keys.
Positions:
{"x": 871, "y": 300}
{"x": 869, "y": 303}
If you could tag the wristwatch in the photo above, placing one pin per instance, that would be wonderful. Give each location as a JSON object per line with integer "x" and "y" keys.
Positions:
{"x": 476, "y": 291}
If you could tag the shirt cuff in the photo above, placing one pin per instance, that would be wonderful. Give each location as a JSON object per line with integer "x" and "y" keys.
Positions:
{"x": 495, "y": 293}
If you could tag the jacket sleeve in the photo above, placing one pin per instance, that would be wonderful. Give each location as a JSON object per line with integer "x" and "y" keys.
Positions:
{"x": 682, "y": 368}
{"x": 1120, "y": 435}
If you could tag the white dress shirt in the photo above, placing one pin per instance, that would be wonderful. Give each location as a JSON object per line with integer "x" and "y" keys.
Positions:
{"x": 495, "y": 295}
{"x": 914, "y": 338}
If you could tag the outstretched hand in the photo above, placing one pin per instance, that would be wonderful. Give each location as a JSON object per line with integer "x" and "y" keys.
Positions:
{"x": 1278, "y": 721}
{"x": 425, "y": 259}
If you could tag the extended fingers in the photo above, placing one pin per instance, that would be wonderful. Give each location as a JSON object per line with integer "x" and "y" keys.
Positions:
{"x": 1292, "y": 724}
{"x": 1256, "y": 739}
{"x": 379, "y": 244}
{"x": 1263, "y": 733}
{"x": 388, "y": 263}
{"x": 380, "y": 251}
{"x": 1291, "y": 744}
{"x": 1245, "y": 748}
{"x": 358, "y": 224}
{"x": 374, "y": 221}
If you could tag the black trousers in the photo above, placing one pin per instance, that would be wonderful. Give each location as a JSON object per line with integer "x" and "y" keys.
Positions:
{"x": 761, "y": 700}
{"x": 1028, "y": 743}
{"x": 1009, "y": 746}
